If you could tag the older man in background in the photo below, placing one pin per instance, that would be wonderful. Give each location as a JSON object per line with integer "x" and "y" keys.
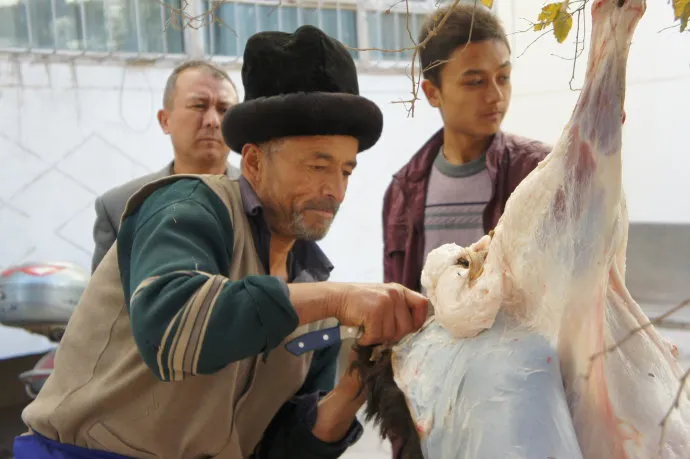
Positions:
{"x": 197, "y": 95}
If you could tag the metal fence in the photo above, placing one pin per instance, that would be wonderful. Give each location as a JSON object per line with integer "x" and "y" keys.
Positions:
{"x": 180, "y": 28}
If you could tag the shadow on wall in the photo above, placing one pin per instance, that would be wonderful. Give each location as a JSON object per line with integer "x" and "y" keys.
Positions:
{"x": 658, "y": 263}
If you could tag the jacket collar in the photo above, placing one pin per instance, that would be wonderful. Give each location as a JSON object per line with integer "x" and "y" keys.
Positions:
{"x": 169, "y": 169}
{"x": 419, "y": 167}
{"x": 308, "y": 254}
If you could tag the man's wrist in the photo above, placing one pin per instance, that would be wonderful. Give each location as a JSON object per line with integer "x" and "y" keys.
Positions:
{"x": 335, "y": 414}
{"x": 316, "y": 301}
{"x": 334, "y": 298}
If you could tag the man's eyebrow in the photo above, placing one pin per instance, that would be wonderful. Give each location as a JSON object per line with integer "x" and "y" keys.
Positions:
{"x": 223, "y": 102}
{"x": 471, "y": 72}
{"x": 328, "y": 157}
{"x": 195, "y": 97}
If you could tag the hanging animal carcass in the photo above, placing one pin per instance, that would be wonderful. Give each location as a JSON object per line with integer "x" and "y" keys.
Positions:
{"x": 553, "y": 270}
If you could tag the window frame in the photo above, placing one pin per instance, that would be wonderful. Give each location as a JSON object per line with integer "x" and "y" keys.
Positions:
{"x": 196, "y": 45}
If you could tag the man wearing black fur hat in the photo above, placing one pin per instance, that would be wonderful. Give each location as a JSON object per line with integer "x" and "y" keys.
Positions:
{"x": 207, "y": 329}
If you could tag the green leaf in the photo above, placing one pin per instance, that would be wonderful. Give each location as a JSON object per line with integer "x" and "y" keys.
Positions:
{"x": 548, "y": 15}
{"x": 681, "y": 10}
{"x": 549, "y": 12}
{"x": 562, "y": 25}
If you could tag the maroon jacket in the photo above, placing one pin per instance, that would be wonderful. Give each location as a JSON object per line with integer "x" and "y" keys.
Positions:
{"x": 509, "y": 159}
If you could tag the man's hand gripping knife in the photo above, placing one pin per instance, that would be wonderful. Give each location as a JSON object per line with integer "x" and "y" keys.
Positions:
{"x": 383, "y": 314}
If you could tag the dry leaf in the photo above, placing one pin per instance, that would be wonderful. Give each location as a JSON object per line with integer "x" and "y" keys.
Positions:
{"x": 557, "y": 14}
{"x": 562, "y": 25}
{"x": 548, "y": 15}
{"x": 550, "y": 11}
{"x": 681, "y": 10}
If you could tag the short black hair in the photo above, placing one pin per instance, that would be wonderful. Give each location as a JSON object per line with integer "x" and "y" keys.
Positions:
{"x": 464, "y": 24}
{"x": 208, "y": 66}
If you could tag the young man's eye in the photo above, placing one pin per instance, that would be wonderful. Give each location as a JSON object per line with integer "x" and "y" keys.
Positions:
{"x": 474, "y": 83}
{"x": 318, "y": 168}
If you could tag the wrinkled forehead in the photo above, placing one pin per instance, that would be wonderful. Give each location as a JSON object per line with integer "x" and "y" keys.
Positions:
{"x": 338, "y": 150}
{"x": 203, "y": 84}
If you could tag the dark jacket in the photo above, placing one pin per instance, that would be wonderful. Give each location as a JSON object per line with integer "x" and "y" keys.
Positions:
{"x": 509, "y": 159}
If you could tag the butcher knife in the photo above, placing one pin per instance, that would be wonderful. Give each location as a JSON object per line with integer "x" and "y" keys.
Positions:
{"x": 319, "y": 339}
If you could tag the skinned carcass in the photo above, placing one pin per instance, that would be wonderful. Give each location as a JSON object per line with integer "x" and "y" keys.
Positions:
{"x": 553, "y": 268}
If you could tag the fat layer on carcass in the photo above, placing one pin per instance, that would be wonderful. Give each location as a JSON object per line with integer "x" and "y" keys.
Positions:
{"x": 556, "y": 266}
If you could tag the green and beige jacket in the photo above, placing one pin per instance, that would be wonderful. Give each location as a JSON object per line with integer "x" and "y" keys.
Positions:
{"x": 174, "y": 350}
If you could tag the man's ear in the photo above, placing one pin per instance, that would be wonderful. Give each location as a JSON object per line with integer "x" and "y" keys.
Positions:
{"x": 432, "y": 93}
{"x": 252, "y": 162}
{"x": 163, "y": 118}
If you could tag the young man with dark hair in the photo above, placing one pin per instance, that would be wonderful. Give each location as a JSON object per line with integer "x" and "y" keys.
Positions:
{"x": 454, "y": 189}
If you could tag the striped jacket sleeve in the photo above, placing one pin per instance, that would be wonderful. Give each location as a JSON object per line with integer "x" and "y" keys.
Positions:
{"x": 187, "y": 317}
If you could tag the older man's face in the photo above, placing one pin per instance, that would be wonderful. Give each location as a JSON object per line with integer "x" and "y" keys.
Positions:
{"x": 193, "y": 120}
{"x": 302, "y": 182}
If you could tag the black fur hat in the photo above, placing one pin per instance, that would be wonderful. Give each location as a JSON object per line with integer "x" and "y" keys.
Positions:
{"x": 301, "y": 83}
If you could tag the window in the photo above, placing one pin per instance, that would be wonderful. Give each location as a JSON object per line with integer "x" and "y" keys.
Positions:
{"x": 234, "y": 22}
{"x": 90, "y": 25}
{"x": 154, "y": 27}
{"x": 393, "y": 31}
{"x": 394, "y": 25}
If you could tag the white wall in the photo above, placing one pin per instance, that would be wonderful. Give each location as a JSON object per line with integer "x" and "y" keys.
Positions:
{"x": 656, "y": 152}
{"x": 69, "y": 132}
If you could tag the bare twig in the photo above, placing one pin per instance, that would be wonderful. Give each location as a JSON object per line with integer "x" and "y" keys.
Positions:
{"x": 181, "y": 18}
{"x": 635, "y": 331}
{"x": 673, "y": 325}
{"x": 658, "y": 320}
{"x": 545, "y": 32}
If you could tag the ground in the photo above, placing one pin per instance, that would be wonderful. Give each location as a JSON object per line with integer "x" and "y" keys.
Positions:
{"x": 369, "y": 447}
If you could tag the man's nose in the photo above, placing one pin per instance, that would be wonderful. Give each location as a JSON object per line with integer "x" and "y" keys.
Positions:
{"x": 495, "y": 93}
{"x": 212, "y": 118}
{"x": 336, "y": 188}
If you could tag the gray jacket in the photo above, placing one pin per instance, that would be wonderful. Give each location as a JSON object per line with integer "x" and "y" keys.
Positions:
{"x": 111, "y": 204}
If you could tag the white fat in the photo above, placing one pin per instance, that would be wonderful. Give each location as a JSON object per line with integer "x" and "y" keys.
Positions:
{"x": 437, "y": 262}
{"x": 461, "y": 307}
